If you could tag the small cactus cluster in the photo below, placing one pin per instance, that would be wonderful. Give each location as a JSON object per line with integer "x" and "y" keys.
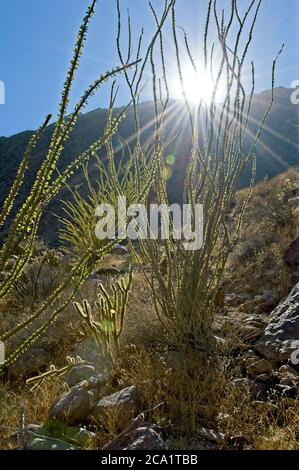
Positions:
{"x": 107, "y": 323}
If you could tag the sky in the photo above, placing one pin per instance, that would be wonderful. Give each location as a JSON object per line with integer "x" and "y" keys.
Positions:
{"x": 37, "y": 37}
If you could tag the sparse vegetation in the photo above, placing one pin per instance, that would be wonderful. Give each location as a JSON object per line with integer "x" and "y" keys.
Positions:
{"x": 102, "y": 338}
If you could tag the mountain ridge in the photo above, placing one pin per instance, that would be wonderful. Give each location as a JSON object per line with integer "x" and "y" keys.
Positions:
{"x": 277, "y": 149}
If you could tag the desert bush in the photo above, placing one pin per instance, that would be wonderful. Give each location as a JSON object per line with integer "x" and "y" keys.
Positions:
{"x": 185, "y": 284}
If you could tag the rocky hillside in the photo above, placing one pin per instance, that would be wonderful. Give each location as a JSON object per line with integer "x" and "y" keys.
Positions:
{"x": 244, "y": 397}
{"x": 276, "y": 151}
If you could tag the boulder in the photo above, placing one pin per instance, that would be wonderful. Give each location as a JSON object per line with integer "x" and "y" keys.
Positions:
{"x": 73, "y": 407}
{"x": 260, "y": 367}
{"x": 144, "y": 436}
{"x": 79, "y": 373}
{"x": 291, "y": 256}
{"x": 279, "y": 341}
{"x": 123, "y": 402}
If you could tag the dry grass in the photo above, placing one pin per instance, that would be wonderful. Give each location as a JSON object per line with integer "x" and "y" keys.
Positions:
{"x": 265, "y": 426}
{"x": 14, "y": 398}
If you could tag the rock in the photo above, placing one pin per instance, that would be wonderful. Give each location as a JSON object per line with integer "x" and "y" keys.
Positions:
{"x": 270, "y": 300}
{"x": 263, "y": 378}
{"x": 31, "y": 362}
{"x": 119, "y": 250}
{"x": 73, "y": 407}
{"x": 260, "y": 367}
{"x": 145, "y": 436}
{"x": 78, "y": 374}
{"x": 288, "y": 371}
{"x": 97, "y": 381}
{"x": 123, "y": 402}
{"x": 278, "y": 342}
{"x": 291, "y": 255}
{"x": 79, "y": 436}
{"x": 211, "y": 435}
{"x": 49, "y": 443}
{"x": 84, "y": 437}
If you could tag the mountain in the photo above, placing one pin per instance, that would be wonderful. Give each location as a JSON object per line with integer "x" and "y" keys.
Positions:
{"x": 277, "y": 150}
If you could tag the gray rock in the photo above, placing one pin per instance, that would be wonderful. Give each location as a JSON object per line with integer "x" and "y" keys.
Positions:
{"x": 119, "y": 250}
{"x": 263, "y": 378}
{"x": 49, "y": 443}
{"x": 291, "y": 255}
{"x": 97, "y": 381}
{"x": 269, "y": 297}
{"x": 73, "y": 407}
{"x": 31, "y": 362}
{"x": 145, "y": 436}
{"x": 260, "y": 367}
{"x": 124, "y": 402}
{"x": 278, "y": 341}
{"x": 79, "y": 373}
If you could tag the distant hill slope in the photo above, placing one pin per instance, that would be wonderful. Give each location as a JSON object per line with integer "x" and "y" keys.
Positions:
{"x": 277, "y": 150}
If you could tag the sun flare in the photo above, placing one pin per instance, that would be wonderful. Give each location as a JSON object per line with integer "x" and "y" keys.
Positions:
{"x": 198, "y": 87}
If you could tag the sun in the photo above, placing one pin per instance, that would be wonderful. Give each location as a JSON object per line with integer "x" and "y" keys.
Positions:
{"x": 198, "y": 86}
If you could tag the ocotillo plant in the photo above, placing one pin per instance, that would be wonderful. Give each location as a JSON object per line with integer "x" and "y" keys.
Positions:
{"x": 23, "y": 229}
{"x": 184, "y": 286}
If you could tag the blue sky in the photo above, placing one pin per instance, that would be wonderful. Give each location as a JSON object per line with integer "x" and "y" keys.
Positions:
{"x": 37, "y": 37}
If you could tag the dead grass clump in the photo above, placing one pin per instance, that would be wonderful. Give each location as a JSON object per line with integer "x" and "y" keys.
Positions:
{"x": 35, "y": 405}
{"x": 266, "y": 426}
{"x": 187, "y": 385}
